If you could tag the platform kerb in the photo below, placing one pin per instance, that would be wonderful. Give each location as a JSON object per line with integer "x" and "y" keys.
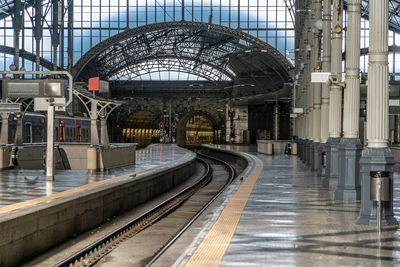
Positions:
{"x": 332, "y": 162}
{"x": 316, "y": 158}
{"x": 375, "y": 159}
{"x": 349, "y": 170}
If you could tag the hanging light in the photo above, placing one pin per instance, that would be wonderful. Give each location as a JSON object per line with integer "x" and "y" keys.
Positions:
{"x": 318, "y": 24}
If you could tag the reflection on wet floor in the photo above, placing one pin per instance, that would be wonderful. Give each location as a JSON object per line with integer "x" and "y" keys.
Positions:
{"x": 290, "y": 219}
{"x": 21, "y": 185}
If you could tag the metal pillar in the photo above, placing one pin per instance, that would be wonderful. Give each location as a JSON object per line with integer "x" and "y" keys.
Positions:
{"x": 307, "y": 86}
{"x": 276, "y": 121}
{"x": 55, "y": 36}
{"x": 350, "y": 146}
{"x": 316, "y": 87}
{"x": 104, "y": 132}
{"x": 4, "y": 128}
{"x": 38, "y": 32}
{"x": 17, "y": 25}
{"x": 377, "y": 156}
{"x": 326, "y": 67}
{"x": 18, "y": 139}
{"x": 335, "y": 97}
{"x": 50, "y": 144}
{"x": 70, "y": 49}
{"x": 94, "y": 135}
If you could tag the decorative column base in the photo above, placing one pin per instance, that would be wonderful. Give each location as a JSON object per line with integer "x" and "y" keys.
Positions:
{"x": 349, "y": 169}
{"x": 375, "y": 159}
{"x": 332, "y": 162}
{"x": 311, "y": 160}
{"x": 305, "y": 149}
{"x": 320, "y": 167}
{"x": 300, "y": 148}
{"x": 316, "y": 157}
{"x": 308, "y": 151}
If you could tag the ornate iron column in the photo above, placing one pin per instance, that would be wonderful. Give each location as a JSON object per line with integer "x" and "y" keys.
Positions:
{"x": 350, "y": 146}
{"x": 377, "y": 156}
{"x": 70, "y": 49}
{"x": 326, "y": 67}
{"x": 55, "y": 36}
{"x": 335, "y": 96}
{"x": 308, "y": 97}
{"x": 38, "y": 32}
{"x": 316, "y": 87}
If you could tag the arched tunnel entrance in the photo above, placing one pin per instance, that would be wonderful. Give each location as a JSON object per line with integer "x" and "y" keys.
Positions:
{"x": 198, "y": 127}
{"x": 141, "y": 127}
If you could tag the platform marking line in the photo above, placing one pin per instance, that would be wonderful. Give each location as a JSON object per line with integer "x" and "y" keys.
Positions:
{"x": 31, "y": 202}
{"x": 216, "y": 242}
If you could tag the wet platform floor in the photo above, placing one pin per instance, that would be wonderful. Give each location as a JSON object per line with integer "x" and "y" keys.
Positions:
{"x": 21, "y": 185}
{"x": 290, "y": 219}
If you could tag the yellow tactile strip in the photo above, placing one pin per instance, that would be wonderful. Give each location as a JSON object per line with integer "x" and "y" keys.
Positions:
{"x": 217, "y": 240}
{"x": 82, "y": 188}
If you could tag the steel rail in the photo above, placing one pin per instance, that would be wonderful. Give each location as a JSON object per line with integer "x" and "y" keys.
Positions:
{"x": 232, "y": 174}
{"x": 106, "y": 243}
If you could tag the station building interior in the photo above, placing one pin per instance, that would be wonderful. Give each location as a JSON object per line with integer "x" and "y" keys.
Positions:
{"x": 300, "y": 97}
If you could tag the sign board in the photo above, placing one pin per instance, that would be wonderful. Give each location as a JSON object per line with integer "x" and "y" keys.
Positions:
{"x": 10, "y": 107}
{"x": 104, "y": 87}
{"x": 43, "y": 103}
{"x": 298, "y": 110}
{"x": 293, "y": 115}
{"x": 394, "y": 102}
{"x": 94, "y": 84}
{"x": 320, "y": 77}
{"x": 34, "y": 88}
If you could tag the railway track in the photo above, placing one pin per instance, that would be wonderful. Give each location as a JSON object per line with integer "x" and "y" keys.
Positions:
{"x": 94, "y": 252}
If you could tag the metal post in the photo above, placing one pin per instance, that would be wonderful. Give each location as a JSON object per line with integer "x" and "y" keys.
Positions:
{"x": 50, "y": 144}
{"x": 170, "y": 123}
{"x": 18, "y": 140}
{"x": 71, "y": 35}
{"x": 17, "y": 25}
{"x": 38, "y": 32}
{"x": 350, "y": 146}
{"x": 103, "y": 131}
{"x": 4, "y": 128}
{"x": 316, "y": 87}
{"x": 276, "y": 121}
{"x": 55, "y": 37}
{"x": 94, "y": 136}
{"x": 326, "y": 67}
{"x": 183, "y": 10}
{"x": 335, "y": 97}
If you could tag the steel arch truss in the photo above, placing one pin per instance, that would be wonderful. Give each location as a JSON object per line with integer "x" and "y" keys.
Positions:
{"x": 28, "y": 56}
{"x": 210, "y": 52}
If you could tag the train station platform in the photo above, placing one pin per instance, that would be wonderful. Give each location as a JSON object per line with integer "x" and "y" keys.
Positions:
{"x": 22, "y": 185}
{"x": 37, "y": 215}
{"x": 281, "y": 215}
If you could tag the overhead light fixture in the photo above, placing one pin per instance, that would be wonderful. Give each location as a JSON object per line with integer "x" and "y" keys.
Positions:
{"x": 318, "y": 24}
{"x": 12, "y": 67}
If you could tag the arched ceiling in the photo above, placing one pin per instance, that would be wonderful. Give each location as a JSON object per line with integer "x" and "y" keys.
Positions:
{"x": 213, "y": 53}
